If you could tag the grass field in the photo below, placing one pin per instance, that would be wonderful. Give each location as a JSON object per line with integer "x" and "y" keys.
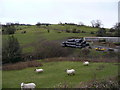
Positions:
{"x": 54, "y": 74}
{"x": 36, "y": 33}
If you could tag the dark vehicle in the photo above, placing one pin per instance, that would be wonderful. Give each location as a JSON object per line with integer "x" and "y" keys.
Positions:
{"x": 110, "y": 49}
{"x": 76, "y": 43}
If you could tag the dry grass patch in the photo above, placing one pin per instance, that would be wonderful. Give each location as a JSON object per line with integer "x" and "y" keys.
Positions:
{"x": 21, "y": 65}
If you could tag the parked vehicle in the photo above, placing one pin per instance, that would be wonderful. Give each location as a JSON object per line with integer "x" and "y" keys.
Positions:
{"x": 100, "y": 48}
{"x": 76, "y": 43}
{"x": 110, "y": 49}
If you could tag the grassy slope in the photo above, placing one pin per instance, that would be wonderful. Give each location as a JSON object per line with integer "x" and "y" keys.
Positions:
{"x": 34, "y": 34}
{"x": 54, "y": 73}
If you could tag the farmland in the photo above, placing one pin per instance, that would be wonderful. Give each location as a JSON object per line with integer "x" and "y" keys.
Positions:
{"x": 44, "y": 43}
{"x": 54, "y": 74}
{"x": 34, "y": 34}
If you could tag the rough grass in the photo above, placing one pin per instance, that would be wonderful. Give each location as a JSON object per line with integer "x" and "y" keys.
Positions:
{"x": 112, "y": 82}
{"x": 21, "y": 65}
{"x": 54, "y": 74}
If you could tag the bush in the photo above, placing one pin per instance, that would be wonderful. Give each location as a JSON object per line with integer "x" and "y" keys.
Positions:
{"x": 68, "y": 31}
{"x": 101, "y": 32}
{"x": 111, "y": 83}
{"x": 92, "y": 33}
{"x": 74, "y": 31}
{"x": 62, "y": 85}
{"x": 104, "y": 84}
{"x": 49, "y": 49}
{"x": 83, "y": 32}
{"x": 8, "y": 29}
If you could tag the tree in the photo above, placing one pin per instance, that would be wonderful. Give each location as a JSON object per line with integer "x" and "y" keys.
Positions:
{"x": 38, "y": 24}
{"x": 101, "y": 32}
{"x": 93, "y": 23}
{"x": 112, "y": 30}
{"x": 9, "y": 29}
{"x": 117, "y": 29}
{"x": 11, "y": 50}
{"x": 96, "y": 23}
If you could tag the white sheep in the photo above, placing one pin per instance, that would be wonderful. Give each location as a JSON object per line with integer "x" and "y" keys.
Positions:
{"x": 70, "y": 72}
{"x": 28, "y": 85}
{"x": 39, "y": 70}
{"x": 86, "y": 63}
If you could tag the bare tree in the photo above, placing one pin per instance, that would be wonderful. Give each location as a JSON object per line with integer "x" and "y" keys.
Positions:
{"x": 96, "y": 23}
{"x": 93, "y": 23}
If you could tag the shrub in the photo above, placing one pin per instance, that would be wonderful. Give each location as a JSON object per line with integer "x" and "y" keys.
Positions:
{"x": 62, "y": 85}
{"x": 91, "y": 32}
{"x": 111, "y": 83}
{"x": 104, "y": 84}
{"x": 83, "y": 32}
{"x": 49, "y": 49}
{"x": 74, "y": 31}
{"x": 101, "y": 32}
{"x": 8, "y": 29}
{"x": 68, "y": 31}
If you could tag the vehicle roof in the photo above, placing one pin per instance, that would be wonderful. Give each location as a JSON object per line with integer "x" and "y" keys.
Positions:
{"x": 74, "y": 39}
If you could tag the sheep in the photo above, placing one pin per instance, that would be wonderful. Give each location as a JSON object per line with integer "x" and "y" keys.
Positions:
{"x": 70, "y": 72}
{"x": 38, "y": 70}
{"x": 86, "y": 63}
{"x": 30, "y": 86}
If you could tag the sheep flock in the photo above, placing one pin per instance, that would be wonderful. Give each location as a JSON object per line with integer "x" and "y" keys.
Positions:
{"x": 31, "y": 86}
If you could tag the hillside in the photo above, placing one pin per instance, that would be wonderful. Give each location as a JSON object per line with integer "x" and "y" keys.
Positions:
{"x": 34, "y": 40}
{"x": 56, "y": 32}
{"x": 43, "y": 44}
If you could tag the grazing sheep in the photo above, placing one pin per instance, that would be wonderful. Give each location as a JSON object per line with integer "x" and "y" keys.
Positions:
{"x": 30, "y": 86}
{"x": 39, "y": 70}
{"x": 70, "y": 72}
{"x": 86, "y": 63}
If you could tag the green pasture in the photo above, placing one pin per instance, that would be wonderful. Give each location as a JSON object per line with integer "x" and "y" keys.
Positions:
{"x": 54, "y": 74}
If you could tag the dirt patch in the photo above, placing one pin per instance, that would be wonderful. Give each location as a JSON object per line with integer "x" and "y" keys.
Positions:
{"x": 78, "y": 59}
{"x": 21, "y": 65}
